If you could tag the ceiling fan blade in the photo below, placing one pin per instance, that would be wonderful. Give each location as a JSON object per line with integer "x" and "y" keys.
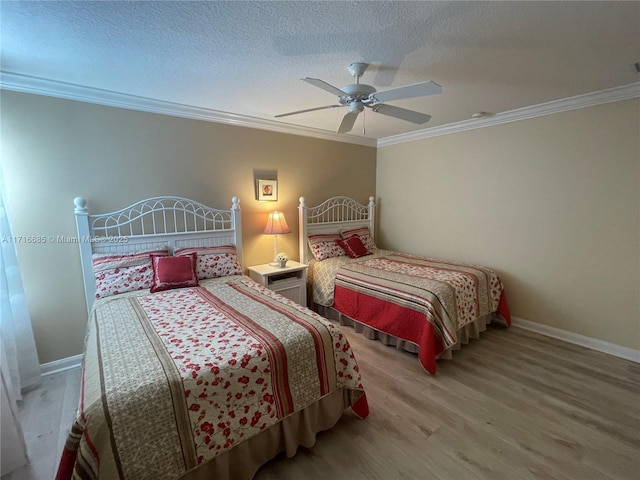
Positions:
{"x": 408, "y": 91}
{"x": 325, "y": 86}
{"x": 307, "y": 110}
{"x": 402, "y": 113}
{"x": 347, "y": 122}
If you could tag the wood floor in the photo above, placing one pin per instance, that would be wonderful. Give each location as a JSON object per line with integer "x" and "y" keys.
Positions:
{"x": 512, "y": 405}
{"x": 47, "y": 413}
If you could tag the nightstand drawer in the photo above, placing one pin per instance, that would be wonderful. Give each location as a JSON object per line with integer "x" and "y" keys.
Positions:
{"x": 291, "y": 290}
{"x": 289, "y": 281}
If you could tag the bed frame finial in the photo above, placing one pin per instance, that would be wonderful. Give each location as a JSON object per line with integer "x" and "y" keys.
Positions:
{"x": 81, "y": 205}
{"x": 235, "y": 203}
{"x": 301, "y": 199}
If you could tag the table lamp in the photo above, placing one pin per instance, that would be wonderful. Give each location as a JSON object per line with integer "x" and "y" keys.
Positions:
{"x": 276, "y": 225}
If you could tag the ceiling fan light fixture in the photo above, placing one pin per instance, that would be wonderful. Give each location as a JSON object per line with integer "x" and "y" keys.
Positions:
{"x": 359, "y": 95}
{"x": 356, "y": 107}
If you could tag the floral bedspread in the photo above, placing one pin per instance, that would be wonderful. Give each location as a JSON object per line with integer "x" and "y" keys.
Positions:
{"x": 172, "y": 379}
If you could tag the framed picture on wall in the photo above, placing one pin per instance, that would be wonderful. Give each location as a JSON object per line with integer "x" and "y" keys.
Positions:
{"x": 268, "y": 190}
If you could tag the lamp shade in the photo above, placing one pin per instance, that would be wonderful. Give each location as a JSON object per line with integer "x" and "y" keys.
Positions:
{"x": 276, "y": 224}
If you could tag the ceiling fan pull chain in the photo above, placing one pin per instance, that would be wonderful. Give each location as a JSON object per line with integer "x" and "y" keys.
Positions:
{"x": 364, "y": 122}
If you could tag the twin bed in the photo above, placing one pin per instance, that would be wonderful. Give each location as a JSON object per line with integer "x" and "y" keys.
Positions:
{"x": 192, "y": 370}
{"x": 423, "y": 305}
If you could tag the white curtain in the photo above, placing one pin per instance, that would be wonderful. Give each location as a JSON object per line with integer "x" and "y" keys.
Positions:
{"x": 19, "y": 360}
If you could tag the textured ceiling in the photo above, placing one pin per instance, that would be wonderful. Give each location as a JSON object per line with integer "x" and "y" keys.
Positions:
{"x": 247, "y": 58}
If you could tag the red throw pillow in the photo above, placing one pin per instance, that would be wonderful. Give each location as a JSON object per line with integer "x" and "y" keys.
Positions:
{"x": 354, "y": 247}
{"x": 364, "y": 234}
{"x": 174, "y": 272}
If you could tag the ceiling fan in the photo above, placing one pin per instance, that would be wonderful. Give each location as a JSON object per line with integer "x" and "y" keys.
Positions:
{"x": 358, "y": 95}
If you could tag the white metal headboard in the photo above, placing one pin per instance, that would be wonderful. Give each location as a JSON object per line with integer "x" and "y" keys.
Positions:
{"x": 154, "y": 223}
{"x": 331, "y": 216}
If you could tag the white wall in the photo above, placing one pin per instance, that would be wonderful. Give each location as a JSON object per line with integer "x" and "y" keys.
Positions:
{"x": 552, "y": 203}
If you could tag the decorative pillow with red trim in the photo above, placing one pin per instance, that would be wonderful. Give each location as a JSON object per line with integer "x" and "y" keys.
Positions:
{"x": 354, "y": 247}
{"x": 123, "y": 273}
{"x": 174, "y": 272}
{"x": 324, "y": 246}
{"x": 214, "y": 262}
{"x": 365, "y": 235}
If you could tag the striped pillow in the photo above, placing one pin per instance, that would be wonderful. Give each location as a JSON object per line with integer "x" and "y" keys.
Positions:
{"x": 324, "y": 246}
{"x": 120, "y": 273}
{"x": 214, "y": 262}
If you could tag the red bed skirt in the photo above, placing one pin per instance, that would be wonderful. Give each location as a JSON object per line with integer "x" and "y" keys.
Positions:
{"x": 413, "y": 327}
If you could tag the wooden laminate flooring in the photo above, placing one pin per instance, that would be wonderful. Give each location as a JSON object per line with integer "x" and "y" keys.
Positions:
{"x": 511, "y": 405}
{"x": 47, "y": 413}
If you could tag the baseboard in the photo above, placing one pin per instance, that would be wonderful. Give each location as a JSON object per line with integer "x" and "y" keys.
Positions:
{"x": 577, "y": 339}
{"x": 61, "y": 365}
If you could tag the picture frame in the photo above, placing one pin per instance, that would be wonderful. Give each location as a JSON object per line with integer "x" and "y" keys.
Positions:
{"x": 268, "y": 190}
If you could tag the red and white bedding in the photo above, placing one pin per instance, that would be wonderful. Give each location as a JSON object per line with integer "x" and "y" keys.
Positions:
{"x": 174, "y": 379}
{"x": 421, "y": 300}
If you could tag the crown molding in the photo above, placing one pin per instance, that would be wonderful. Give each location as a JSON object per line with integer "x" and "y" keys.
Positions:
{"x": 41, "y": 86}
{"x": 615, "y": 94}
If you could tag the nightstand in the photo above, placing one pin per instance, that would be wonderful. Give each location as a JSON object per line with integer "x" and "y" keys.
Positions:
{"x": 290, "y": 281}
